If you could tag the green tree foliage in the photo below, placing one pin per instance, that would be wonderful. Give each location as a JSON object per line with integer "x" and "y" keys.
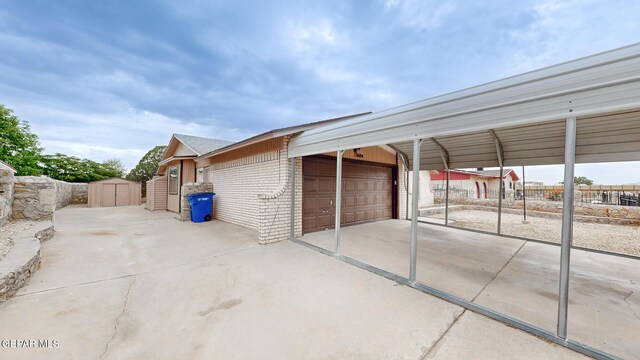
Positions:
{"x": 19, "y": 147}
{"x": 73, "y": 169}
{"x": 582, "y": 180}
{"x": 115, "y": 165}
{"x": 147, "y": 166}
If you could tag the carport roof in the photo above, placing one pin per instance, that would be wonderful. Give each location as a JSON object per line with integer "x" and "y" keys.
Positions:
{"x": 525, "y": 114}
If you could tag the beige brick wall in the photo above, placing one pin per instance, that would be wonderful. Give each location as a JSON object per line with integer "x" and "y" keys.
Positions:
{"x": 255, "y": 192}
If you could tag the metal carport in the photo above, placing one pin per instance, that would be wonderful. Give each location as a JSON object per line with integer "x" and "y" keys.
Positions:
{"x": 586, "y": 110}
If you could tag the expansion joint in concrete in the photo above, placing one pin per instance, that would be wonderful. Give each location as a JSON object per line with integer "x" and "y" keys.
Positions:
{"x": 499, "y": 271}
{"x": 124, "y": 308}
{"x": 444, "y": 333}
{"x": 626, "y": 300}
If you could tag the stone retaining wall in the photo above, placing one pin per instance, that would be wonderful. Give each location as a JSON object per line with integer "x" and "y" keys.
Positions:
{"x": 6, "y": 194}
{"x": 192, "y": 188}
{"x": 429, "y": 212}
{"x": 37, "y": 197}
{"x": 17, "y": 267}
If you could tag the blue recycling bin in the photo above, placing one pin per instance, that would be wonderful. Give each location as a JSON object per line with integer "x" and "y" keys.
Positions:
{"x": 201, "y": 206}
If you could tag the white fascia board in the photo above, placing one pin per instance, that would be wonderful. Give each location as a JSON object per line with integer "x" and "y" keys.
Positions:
{"x": 603, "y": 82}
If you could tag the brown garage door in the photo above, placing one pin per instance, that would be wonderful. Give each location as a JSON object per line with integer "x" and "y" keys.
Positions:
{"x": 366, "y": 193}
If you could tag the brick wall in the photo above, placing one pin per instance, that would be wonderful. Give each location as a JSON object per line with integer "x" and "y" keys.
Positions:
{"x": 255, "y": 192}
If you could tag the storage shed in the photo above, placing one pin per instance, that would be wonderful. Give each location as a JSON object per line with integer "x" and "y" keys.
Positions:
{"x": 114, "y": 192}
{"x": 157, "y": 193}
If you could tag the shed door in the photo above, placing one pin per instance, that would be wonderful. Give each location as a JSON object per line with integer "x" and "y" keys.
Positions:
{"x": 122, "y": 195}
{"x": 367, "y": 193}
{"x": 108, "y": 194}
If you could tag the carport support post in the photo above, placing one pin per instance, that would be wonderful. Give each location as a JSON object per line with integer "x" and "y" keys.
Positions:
{"x": 501, "y": 189}
{"x": 446, "y": 200}
{"x": 293, "y": 198}
{"x": 338, "y": 197}
{"x": 415, "y": 197}
{"x": 567, "y": 224}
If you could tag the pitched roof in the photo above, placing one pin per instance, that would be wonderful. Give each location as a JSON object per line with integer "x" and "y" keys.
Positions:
{"x": 277, "y": 133}
{"x": 8, "y": 166}
{"x": 489, "y": 173}
{"x": 201, "y": 145}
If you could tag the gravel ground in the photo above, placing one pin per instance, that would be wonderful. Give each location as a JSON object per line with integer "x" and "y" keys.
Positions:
{"x": 614, "y": 238}
{"x": 9, "y": 229}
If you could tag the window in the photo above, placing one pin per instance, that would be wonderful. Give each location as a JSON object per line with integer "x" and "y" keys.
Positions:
{"x": 173, "y": 180}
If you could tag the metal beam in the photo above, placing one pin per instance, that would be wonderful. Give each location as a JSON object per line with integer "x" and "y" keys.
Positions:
{"x": 500, "y": 153}
{"x": 524, "y": 195}
{"x": 444, "y": 154}
{"x": 446, "y": 199}
{"x": 338, "y": 197}
{"x": 415, "y": 197}
{"x": 567, "y": 225}
{"x": 293, "y": 199}
{"x": 499, "y": 148}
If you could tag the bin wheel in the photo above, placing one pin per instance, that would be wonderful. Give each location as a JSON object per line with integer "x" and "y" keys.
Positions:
{"x": 207, "y": 217}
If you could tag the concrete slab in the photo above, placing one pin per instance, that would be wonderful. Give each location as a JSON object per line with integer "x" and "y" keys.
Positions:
{"x": 604, "y": 308}
{"x": 80, "y": 318}
{"x": 193, "y": 291}
{"x": 459, "y": 262}
{"x": 101, "y": 243}
{"x": 474, "y": 334}
{"x": 511, "y": 276}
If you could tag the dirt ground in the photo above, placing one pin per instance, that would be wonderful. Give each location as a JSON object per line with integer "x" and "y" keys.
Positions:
{"x": 614, "y": 238}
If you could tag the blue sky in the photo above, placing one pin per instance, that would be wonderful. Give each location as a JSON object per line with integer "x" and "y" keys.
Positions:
{"x": 104, "y": 79}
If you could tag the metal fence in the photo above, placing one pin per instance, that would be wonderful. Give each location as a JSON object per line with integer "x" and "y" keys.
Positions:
{"x": 605, "y": 197}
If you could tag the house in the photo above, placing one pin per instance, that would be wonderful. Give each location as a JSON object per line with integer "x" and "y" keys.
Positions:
{"x": 480, "y": 184}
{"x": 178, "y": 164}
{"x": 252, "y": 182}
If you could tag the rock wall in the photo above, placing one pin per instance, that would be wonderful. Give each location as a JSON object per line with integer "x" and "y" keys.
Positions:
{"x": 37, "y": 197}
{"x": 24, "y": 258}
{"x": 580, "y": 208}
{"x": 192, "y": 188}
{"x": 6, "y": 194}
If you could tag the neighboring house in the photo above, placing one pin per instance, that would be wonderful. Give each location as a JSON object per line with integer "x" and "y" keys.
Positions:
{"x": 252, "y": 182}
{"x": 178, "y": 165}
{"x": 480, "y": 184}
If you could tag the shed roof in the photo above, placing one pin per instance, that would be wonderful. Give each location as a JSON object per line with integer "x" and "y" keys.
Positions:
{"x": 526, "y": 113}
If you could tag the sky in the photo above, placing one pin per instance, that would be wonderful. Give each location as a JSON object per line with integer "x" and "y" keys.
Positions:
{"x": 113, "y": 79}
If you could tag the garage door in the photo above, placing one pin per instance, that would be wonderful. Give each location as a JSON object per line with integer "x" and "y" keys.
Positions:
{"x": 367, "y": 193}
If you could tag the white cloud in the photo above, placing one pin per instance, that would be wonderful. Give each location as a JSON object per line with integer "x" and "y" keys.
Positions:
{"x": 421, "y": 14}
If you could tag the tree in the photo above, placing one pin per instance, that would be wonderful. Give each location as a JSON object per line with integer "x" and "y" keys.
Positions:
{"x": 582, "y": 180}
{"x": 115, "y": 165}
{"x": 147, "y": 166}
{"x": 73, "y": 169}
{"x": 19, "y": 147}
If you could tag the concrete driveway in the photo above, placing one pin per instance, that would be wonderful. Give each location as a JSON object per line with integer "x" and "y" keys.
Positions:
{"x": 125, "y": 283}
